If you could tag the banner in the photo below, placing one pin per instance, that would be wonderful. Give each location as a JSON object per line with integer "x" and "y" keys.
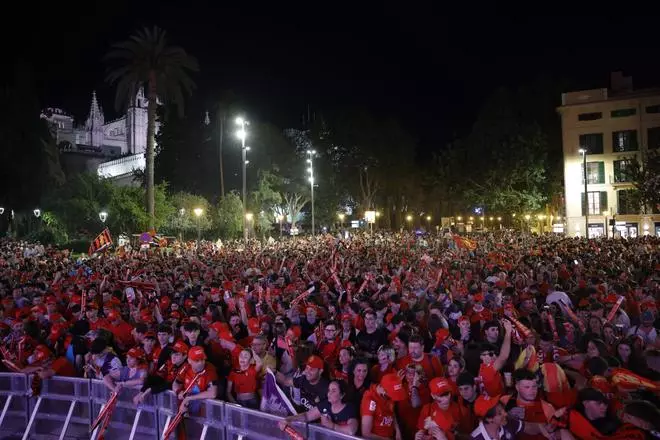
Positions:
{"x": 102, "y": 241}
{"x": 273, "y": 399}
{"x": 464, "y": 242}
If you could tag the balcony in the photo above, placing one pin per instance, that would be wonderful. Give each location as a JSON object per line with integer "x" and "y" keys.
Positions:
{"x": 620, "y": 180}
{"x": 122, "y": 166}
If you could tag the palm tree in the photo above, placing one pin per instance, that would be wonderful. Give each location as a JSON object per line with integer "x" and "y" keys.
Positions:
{"x": 146, "y": 59}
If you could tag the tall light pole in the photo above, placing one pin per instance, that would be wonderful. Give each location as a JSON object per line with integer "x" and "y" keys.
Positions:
{"x": 341, "y": 216}
{"x": 242, "y": 134}
{"x": 280, "y": 218}
{"x": 198, "y": 213}
{"x": 310, "y": 170}
{"x": 583, "y": 151}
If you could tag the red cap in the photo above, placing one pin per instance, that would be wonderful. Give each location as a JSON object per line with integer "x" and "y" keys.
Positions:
{"x": 92, "y": 305}
{"x": 113, "y": 315}
{"x": 346, "y": 344}
{"x": 315, "y": 362}
{"x": 483, "y": 404}
{"x": 479, "y": 297}
{"x": 393, "y": 386}
{"x": 346, "y": 317}
{"x": 150, "y": 334}
{"x": 180, "y": 347}
{"x": 611, "y": 299}
{"x": 440, "y": 385}
{"x": 188, "y": 303}
{"x": 196, "y": 353}
{"x": 50, "y": 299}
{"x": 219, "y": 327}
{"x": 175, "y": 314}
{"x": 441, "y": 335}
{"x": 136, "y": 353}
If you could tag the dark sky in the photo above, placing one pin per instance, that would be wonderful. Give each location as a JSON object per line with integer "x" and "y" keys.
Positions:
{"x": 427, "y": 67}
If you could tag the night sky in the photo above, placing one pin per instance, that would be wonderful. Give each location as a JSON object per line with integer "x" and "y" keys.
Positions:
{"x": 409, "y": 61}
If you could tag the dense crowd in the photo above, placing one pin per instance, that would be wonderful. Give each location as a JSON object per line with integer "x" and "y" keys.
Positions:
{"x": 383, "y": 336}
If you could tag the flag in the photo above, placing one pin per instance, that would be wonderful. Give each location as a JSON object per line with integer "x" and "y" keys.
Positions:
{"x": 273, "y": 400}
{"x": 464, "y": 242}
{"x": 102, "y": 241}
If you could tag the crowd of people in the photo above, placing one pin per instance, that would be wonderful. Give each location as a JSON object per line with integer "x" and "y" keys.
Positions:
{"x": 381, "y": 336}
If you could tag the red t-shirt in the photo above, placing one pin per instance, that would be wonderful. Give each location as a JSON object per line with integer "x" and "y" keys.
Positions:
{"x": 62, "y": 367}
{"x": 376, "y": 374}
{"x": 381, "y": 410}
{"x": 210, "y": 377}
{"x": 244, "y": 381}
{"x": 407, "y": 415}
{"x": 431, "y": 365}
{"x": 444, "y": 419}
{"x": 123, "y": 335}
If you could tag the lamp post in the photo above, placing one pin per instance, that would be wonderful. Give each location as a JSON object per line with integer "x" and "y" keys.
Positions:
{"x": 409, "y": 218}
{"x": 242, "y": 134}
{"x": 341, "y": 216}
{"x": 428, "y": 221}
{"x": 527, "y": 217}
{"x": 198, "y": 213}
{"x": 499, "y": 219}
{"x": 248, "y": 220}
{"x": 182, "y": 212}
{"x": 605, "y": 228}
{"x": 103, "y": 216}
{"x": 583, "y": 151}
{"x": 37, "y": 212}
{"x": 2, "y": 210}
{"x": 280, "y": 218}
{"x": 310, "y": 170}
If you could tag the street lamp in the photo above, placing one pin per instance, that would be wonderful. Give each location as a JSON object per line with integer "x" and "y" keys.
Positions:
{"x": 280, "y": 218}
{"x": 103, "y": 216}
{"x": 37, "y": 212}
{"x": 459, "y": 218}
{"x": 310, "y": 170}
{"x": 605, "y": 228}
{"x": 242, "y": 134}
{"x": 2, "y": 210}
{"x": 409, "y": 218}
{"x": 341, "y": 216}
{"x": 583, "y": 151}
{"x": 198, "y": 213}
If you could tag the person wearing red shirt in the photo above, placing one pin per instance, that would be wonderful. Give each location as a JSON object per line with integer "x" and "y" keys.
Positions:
{"x": 328, "y": 348}
{"x": 418, "y": 395}
{"x": 42, "y": 363}
{"x": 122, "y": 330}
{"x": 205, "y": 385}
{"x": 163, "y": 378}
{"x": 377, "y": 409}
{"x": 385, "y": 365}
{"x": 431, "y": 365}
{"x": 489, "y": 372}
{"x": 95, "y": 322}
{"x": 438, "y": 415}
{"x": 244, "y": 381}
{"x": 525, "y": 405}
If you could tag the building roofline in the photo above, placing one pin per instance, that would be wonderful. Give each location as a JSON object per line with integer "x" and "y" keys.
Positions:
{"x": 613, "y": 97}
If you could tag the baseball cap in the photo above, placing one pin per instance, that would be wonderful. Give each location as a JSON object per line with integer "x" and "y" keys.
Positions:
{"x": 393, "y": 386}
{"x": 196, "y": 354}
{"x": 136, "y": 353}
{"x": 440, "y": 385}
{"x": 315, "y": 362}
{"x": 180, "y": 347}
{"x": 484, "y": 403}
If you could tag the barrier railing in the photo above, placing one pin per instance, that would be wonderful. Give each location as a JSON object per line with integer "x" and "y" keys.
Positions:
{"x": 14, "y": 403}
{"x": 66, "y": 407}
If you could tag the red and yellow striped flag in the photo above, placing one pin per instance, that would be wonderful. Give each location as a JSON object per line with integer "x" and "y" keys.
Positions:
{"x": 464, "y": 242}
{"x": 102, "y": 241}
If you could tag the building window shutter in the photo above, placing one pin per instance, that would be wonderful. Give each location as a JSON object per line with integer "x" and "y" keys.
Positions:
{"x": 583, "y": 204}
{"x": 603, "y": 200}
{"x": 601, "y": 172}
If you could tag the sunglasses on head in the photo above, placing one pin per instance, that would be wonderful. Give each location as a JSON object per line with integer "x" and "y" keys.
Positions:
{"x": 488, "y": 353}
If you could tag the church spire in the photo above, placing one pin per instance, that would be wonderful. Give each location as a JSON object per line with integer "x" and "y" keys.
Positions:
{"x": 95, "y": 118}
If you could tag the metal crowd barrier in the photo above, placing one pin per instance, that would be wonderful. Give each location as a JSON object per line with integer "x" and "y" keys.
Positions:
{"x": 66, "y": 407}
{"x": 14, "y": 404}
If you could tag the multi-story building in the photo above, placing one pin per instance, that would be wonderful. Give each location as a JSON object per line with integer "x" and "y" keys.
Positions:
{"x": 611, "y": 126}
{"x": 113, "y": 149}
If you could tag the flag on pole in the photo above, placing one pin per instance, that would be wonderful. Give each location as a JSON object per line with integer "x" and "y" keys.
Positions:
{"x": 273, "y": 400}
{"x": 102, "y": 241}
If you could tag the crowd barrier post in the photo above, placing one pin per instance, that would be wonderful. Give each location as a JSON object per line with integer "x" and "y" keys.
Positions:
{"x": 14, "y": 393}
{"x": 243, "y": 422}
{"x": 47, "y": 416}
{"x": 318, "y": 432}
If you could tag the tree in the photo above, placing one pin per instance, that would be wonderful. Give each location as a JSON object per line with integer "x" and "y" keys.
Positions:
{"x": 293, "y": 206}
{"x": 645, "y": 176}
{"x": 126, "y": 212}
{"x": 187, "y": 220}
{"x": 146, "y": 58}
{"x": 229, "y": 220}
{"x": 264, "y": 201}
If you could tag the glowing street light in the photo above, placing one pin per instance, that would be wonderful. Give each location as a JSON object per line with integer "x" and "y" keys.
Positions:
{"x": 249, "y": 216}
{"x": 280, "y": 219}
{"x": 37, "y": 212}
{"x": 198, "y": 213}
{"x": 103, "y": 216}
{"x": 242, "y": 134}
{"x": 459, "y": 218}
{"x": 2, "y": 210}
{"x": 310, "y": 170}
{"x": 341, "y": 216}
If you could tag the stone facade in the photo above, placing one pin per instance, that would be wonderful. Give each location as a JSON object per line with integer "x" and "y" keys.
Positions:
{"x": 97, "y": 143}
